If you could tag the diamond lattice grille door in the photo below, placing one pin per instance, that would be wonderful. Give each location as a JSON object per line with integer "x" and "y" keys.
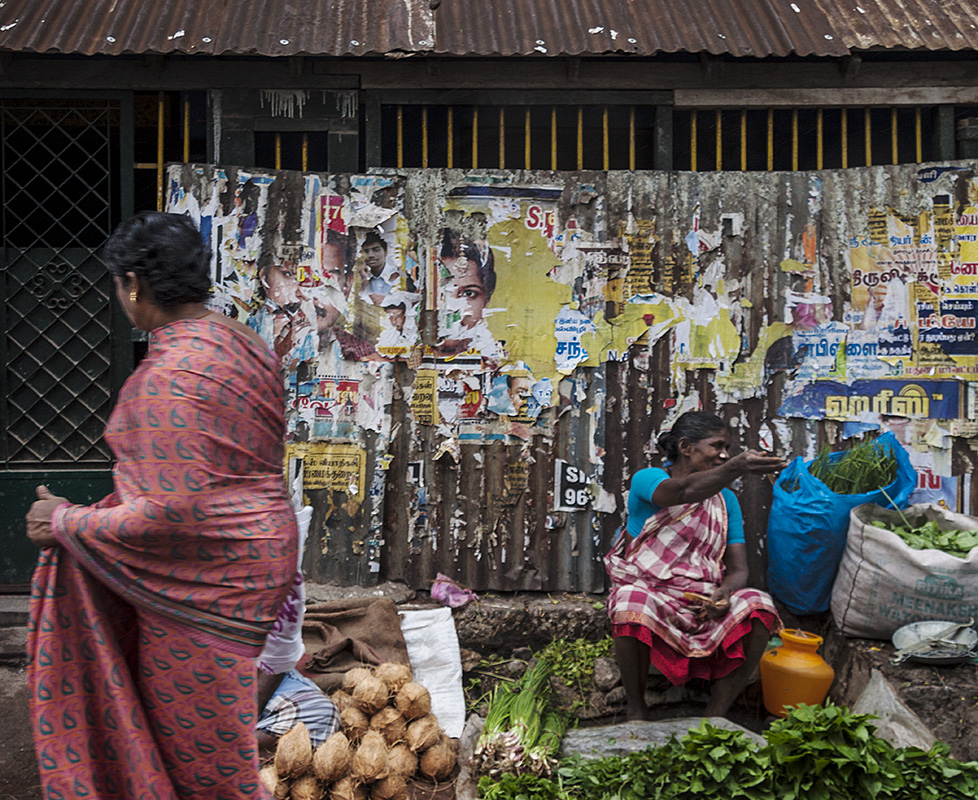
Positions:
{"x": 64, "y": 347}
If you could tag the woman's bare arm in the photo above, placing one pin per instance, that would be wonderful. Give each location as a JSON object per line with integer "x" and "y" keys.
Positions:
{"x": 698, "y": 486}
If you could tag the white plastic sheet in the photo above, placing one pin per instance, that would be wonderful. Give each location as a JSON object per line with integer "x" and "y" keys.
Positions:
{"x": 432, "y": 646}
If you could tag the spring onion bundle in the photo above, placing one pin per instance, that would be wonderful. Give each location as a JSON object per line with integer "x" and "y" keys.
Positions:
{"x": 523, "y": 727}
{"x": 863, "y": 468}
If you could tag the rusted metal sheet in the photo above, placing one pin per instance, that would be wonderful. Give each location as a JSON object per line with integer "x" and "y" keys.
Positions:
{"x": 727, "y": 291}
{"x": 903, "y": 24}
{"x": 759, "y": 28}
{"x": 215, "y": 27}
{"x": 578, "y": 27}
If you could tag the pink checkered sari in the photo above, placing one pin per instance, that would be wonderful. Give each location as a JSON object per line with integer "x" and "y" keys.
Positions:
{"x": 680, "y": 549}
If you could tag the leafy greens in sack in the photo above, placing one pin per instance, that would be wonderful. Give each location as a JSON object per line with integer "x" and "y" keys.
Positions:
{"x": 808, "y": 523}
{"x": 928, "y": 535}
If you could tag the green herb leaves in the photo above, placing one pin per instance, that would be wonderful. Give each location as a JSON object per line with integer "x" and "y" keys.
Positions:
{"x": 817, "y": 753}
{"x": 863, "y": 468}
{"x": 927, "y": 535}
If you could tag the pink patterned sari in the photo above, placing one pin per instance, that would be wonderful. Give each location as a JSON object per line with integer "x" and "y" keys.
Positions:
{"x": 680, "y": 549}
{"x": 145, "y": 621}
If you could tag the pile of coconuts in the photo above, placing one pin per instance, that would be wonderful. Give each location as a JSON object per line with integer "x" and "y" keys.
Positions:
{"x": 387, "y": 736}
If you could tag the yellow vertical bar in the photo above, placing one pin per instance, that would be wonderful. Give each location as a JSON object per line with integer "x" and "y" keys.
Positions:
{"x": 820, "y": 145}
{"x": 605, "y": 155}
{"x": 770, "y": 139}
{"x": 868, "y": 136}
{"x": 580, "y": 137}
{"x": 917, "y": 137}
{"x": 186, "y": 131}
{"x": 692, "y": 140}
{"x": 845, "y": 138}
{"x": 631, "y": 137}
{"x": 719, "y": 143}
{"x": 526, "y": 139}
{"x": 159, "y": 150}
{"x": 305, "y": 151}
{"x": 794, "y": 140}
{"x": 502, "y": 138}
{"x": 553, "y": 137}
{"x": 424, "y": 136}
{"x": 400, "y": 136}
{"x": 743, "y": 140}
{"x": 475, "y": 137}
{"x": 278, "y": 151}
{"x": 893, "y": 135}
{"x": 451, "y": 139}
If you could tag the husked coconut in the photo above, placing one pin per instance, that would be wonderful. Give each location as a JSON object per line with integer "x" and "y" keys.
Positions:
{"x": 268, "y": 776}
{"x": 389, "y": 723}
{"x": 293, "y": 754}
{"x": 370, "y": 695}
{"x": 332, "y": 758}
{"x": 393, "y": 675}
{"x": 393, "y": 787}
{"x": 354, "y": 722}
{"x": 402, "y": 761}
{"x": 370, "y": 760}
{"x": 439, "y": 760}
{"x": 307, "y": 787}
{"x": 422, "y": 733}
{"x": 413, "y": 701}
{"x": 341, "y": 700}
{"x": 353, "y": 676}
{"x": 348, "y": 789}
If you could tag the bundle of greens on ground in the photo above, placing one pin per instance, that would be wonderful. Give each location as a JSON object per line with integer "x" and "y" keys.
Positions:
{"x": 862, "y": 468}
{"x": 573, "y": 660}
{"x": 523, "y": 726}
{"x": 816, "y": 753}
{"x": 926, "y": 534}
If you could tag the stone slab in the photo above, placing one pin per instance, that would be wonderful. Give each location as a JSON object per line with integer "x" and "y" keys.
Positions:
{"x": 631, "y": 737}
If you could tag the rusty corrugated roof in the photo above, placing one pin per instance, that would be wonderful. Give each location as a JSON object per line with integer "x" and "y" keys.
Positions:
{"x": 740, "y": 28}
{"x": 216, "y": 27}
{"x": 578, "y": 27}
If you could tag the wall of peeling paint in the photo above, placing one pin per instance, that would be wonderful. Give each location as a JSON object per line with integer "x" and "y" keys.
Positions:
{"x": 476, "y": 362}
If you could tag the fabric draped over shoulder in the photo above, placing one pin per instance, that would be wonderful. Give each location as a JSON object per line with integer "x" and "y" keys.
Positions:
{"x": 681, "y": 549}
{"x": 146, "y": 620}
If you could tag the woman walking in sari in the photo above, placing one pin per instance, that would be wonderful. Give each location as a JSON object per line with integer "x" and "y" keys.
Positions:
{"x": 679, "y": 573}
{"x": 149, "y": 607}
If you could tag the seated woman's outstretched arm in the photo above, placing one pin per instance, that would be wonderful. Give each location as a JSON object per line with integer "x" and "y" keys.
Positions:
{"x": 697, "y": 486}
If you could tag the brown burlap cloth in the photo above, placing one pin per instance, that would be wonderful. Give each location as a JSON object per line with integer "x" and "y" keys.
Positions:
{"x": 343, "y": 634}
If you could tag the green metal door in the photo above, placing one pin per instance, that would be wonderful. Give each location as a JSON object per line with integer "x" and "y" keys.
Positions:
{"x": 65, "y": 182}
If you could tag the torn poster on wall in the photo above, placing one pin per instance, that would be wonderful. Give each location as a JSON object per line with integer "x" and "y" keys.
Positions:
{"x": 871, "y": 399}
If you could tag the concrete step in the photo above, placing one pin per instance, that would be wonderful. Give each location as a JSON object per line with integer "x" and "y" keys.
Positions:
{"x": 13, "y": 609}
{"x": 13, "y": 629}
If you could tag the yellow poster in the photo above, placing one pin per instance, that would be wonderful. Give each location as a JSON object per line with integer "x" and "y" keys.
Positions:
{"x": 914, "y": 284}
{"x": 424, "y": 399}
{"x": 339, "y": 467}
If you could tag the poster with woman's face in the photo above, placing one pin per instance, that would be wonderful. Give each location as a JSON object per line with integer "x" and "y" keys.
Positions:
{"x": 466, "y": 281}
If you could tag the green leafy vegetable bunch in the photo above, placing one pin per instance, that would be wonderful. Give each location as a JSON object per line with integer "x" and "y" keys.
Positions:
{"x": 817, "y": 753}
{"x": 862, "y": 468}
{"x": 927, "y": 535}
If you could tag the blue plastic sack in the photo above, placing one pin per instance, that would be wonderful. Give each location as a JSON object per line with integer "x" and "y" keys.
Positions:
{"x": 807, "y": 528}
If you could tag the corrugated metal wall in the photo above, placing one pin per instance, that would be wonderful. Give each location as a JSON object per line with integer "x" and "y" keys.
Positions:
{"x": 741, "y": 255}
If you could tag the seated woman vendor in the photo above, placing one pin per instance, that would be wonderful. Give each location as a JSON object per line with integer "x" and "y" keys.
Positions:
{"x": 678, "y": 577}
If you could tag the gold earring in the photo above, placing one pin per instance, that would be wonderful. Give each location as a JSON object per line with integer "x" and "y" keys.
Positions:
{"x": 132, "y": 296}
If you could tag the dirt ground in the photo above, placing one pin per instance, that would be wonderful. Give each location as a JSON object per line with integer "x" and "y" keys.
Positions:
{"x": 18, "y": 766}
